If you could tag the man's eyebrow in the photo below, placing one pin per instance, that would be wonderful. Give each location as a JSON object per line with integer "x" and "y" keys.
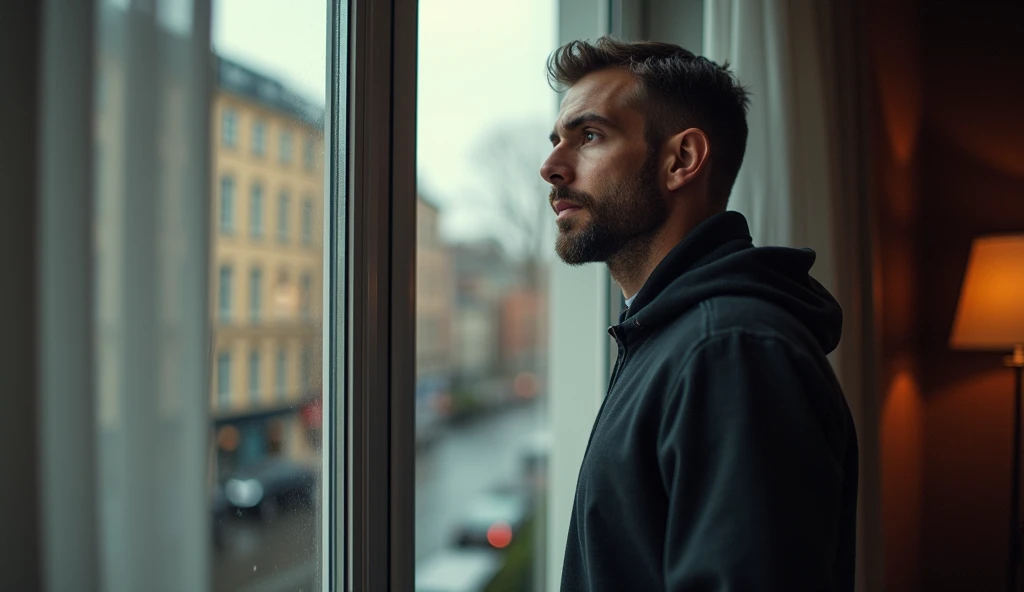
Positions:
{"x": 575, "y": 122}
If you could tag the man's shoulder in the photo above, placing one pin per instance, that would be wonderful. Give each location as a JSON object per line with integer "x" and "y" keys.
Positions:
{"x": 739, "y": 316}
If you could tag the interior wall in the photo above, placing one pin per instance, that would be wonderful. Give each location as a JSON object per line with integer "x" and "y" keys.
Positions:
{"x": 896, "y": 105}
{"x": 971, "y": 178}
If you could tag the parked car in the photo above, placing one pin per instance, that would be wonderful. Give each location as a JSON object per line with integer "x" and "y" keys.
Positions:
{"x": 458, "y": 570}
{"x": 494, "y": 519}
{"x": 270, "y": 486}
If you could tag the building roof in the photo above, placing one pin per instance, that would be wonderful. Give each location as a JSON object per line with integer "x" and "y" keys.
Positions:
{"x": 241, "y": 80}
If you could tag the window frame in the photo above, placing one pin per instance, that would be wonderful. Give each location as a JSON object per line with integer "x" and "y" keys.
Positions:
{"x": 226, "y": 204}
{"x": 257, "y": 193}
{"x": 253, "y": 382}
{"x": 285, "y": 147}
{"x": 259, "y": 137}
{"x": 370, "y": 349}
{"x": 229, "y": 127}
{"x": 255, "y": 294}
{"x": 223, "y": 382}
{"x": 225, "y": 292}
{"x": 284, "y": 200}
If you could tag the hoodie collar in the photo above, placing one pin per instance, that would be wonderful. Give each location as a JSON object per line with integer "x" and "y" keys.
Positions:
{"x": 712, "y": 239}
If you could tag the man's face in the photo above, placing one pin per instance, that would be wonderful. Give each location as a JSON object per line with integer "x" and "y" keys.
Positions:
{"x": 604, "y": 179}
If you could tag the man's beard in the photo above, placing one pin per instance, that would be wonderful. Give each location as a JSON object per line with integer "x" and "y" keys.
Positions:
{"x": 621, "y": 222}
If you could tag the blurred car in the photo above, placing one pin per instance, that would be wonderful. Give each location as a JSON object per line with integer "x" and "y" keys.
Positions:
{"x": 458, "y": 570}
{"x": 494, "y": 519}
{"x": 270, "y": 486}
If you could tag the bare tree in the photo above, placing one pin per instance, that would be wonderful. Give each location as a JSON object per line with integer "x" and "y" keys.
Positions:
{"x": 510, "y": 157}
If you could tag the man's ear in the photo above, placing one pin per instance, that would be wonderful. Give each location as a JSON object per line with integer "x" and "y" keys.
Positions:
{"x": 689, "y": 151}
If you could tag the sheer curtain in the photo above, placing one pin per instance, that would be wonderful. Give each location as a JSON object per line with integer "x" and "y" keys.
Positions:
{"x": 123, "y": 348}
{"x": 803, "y": 181}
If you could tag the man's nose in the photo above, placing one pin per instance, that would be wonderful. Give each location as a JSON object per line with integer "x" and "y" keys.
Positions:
{"x": 556, "y": 171}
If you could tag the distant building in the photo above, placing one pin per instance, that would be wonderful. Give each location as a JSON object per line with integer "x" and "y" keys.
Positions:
{"x": 500, "y": 323}
{"x": 435, "y": 301}
{"x": 267, "y": 190}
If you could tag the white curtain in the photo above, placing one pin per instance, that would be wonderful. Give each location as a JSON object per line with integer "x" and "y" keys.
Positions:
{"x": 802, "y": 181}
{"x": 785, "y": 187}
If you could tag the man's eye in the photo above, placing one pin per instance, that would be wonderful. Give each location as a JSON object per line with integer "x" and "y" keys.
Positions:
{"x": 590, "y": 136}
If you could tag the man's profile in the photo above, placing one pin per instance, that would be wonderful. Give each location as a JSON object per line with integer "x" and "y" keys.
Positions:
{"x": 724, "y": 456}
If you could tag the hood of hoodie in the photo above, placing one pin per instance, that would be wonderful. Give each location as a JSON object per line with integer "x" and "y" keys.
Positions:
{"x": 718, "y": 258}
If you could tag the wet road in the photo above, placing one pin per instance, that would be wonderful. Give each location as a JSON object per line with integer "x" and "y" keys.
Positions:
{"x": 462, "y": 463}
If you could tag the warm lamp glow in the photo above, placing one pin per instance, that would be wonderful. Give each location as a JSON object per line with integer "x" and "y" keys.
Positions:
{"x": 990, "y": 314}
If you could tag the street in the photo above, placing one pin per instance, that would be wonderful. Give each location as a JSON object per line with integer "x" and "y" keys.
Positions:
{"x": 465, "y": 461}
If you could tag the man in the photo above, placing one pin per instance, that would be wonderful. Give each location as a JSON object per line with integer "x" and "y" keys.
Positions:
{"x": 724, "y": 456}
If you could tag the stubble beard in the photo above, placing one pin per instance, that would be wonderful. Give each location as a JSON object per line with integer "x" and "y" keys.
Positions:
{"x": 620, "y": 224}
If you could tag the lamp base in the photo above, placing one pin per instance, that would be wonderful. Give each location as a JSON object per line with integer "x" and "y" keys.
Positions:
{"x": 1016, "y": 359}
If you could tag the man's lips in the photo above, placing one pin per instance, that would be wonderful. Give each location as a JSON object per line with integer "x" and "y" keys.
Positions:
{"x": 564, "y": 207}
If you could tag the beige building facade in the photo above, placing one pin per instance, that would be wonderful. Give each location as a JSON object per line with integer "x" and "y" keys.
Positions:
{"x": 266, "y": 282}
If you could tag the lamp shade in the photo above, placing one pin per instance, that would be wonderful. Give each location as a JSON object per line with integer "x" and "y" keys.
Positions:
{"x": 990, "y": 314}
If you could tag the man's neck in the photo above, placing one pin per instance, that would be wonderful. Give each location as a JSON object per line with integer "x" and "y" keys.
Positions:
{"x": 632, "y": 265}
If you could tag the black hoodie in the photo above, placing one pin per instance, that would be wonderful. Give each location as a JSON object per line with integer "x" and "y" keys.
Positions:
{"x": 724, "y": 457}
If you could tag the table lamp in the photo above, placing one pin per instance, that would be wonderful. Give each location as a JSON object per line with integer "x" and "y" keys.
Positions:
{"x": 990, "y": 316}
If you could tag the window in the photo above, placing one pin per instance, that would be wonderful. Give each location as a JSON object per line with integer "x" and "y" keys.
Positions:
{"x": 281, "y": 374}
{"x": 259, "y": 137}
{"x": 285, "y": 151}
{"x": 309, "y": 154}
{"x": 229, "y": 128}
{"x": 255, "y": 295}
{"x": 282, "y": 216}
{"x": 224, "y": 293}
{"x": 256, "y": 211}
{"x": 307, "y": 222}
{"x": 481, "y": 291}
{"x": 177, "y": 390}
{"x": 227, "y": 204}
{"x": 224, "y": 380}
{"x": 254, "y": 376}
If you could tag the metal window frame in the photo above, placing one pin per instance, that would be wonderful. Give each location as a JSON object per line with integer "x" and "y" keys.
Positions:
{"x": 369, "y": 353}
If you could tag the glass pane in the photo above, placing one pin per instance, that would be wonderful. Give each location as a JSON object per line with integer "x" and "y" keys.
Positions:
{"x": 265, "y": 413}
{"x": 484, "y": 249}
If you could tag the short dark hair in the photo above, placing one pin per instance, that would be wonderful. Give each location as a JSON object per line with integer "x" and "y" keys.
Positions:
{"x": 677, "y": 90}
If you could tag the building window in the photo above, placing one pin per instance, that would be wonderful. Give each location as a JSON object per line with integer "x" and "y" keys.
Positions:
{"x": 229, "y": 128}
{"x": 223, "y": 380}
{"x": 227, "y": 204}
{"x": 307, "y": 368}
{"x": 285, "y": 153}
{"x": 256, "y": 211}
{"x": 224, "y": 293}
{"x": 281, "y": 374}
{"x": 259, "y": 138}
{"x": 255, "y": 294}
{"x": 309, "y": 154}
{"x": 254, "y": 376}
{"x": 282, "y": 217}
{"x": 307, "y": 222}
{"x": 305, "y": 295}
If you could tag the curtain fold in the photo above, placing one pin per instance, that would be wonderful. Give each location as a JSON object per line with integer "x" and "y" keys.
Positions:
{"x": 803, "y": 182}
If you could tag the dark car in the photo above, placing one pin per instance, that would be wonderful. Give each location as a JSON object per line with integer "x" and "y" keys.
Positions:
{"x": 494, "y": 519}
{"x": 270, "y": 486}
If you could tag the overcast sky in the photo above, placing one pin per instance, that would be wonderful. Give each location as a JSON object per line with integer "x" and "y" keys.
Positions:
{"x": 481, "y": 67}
